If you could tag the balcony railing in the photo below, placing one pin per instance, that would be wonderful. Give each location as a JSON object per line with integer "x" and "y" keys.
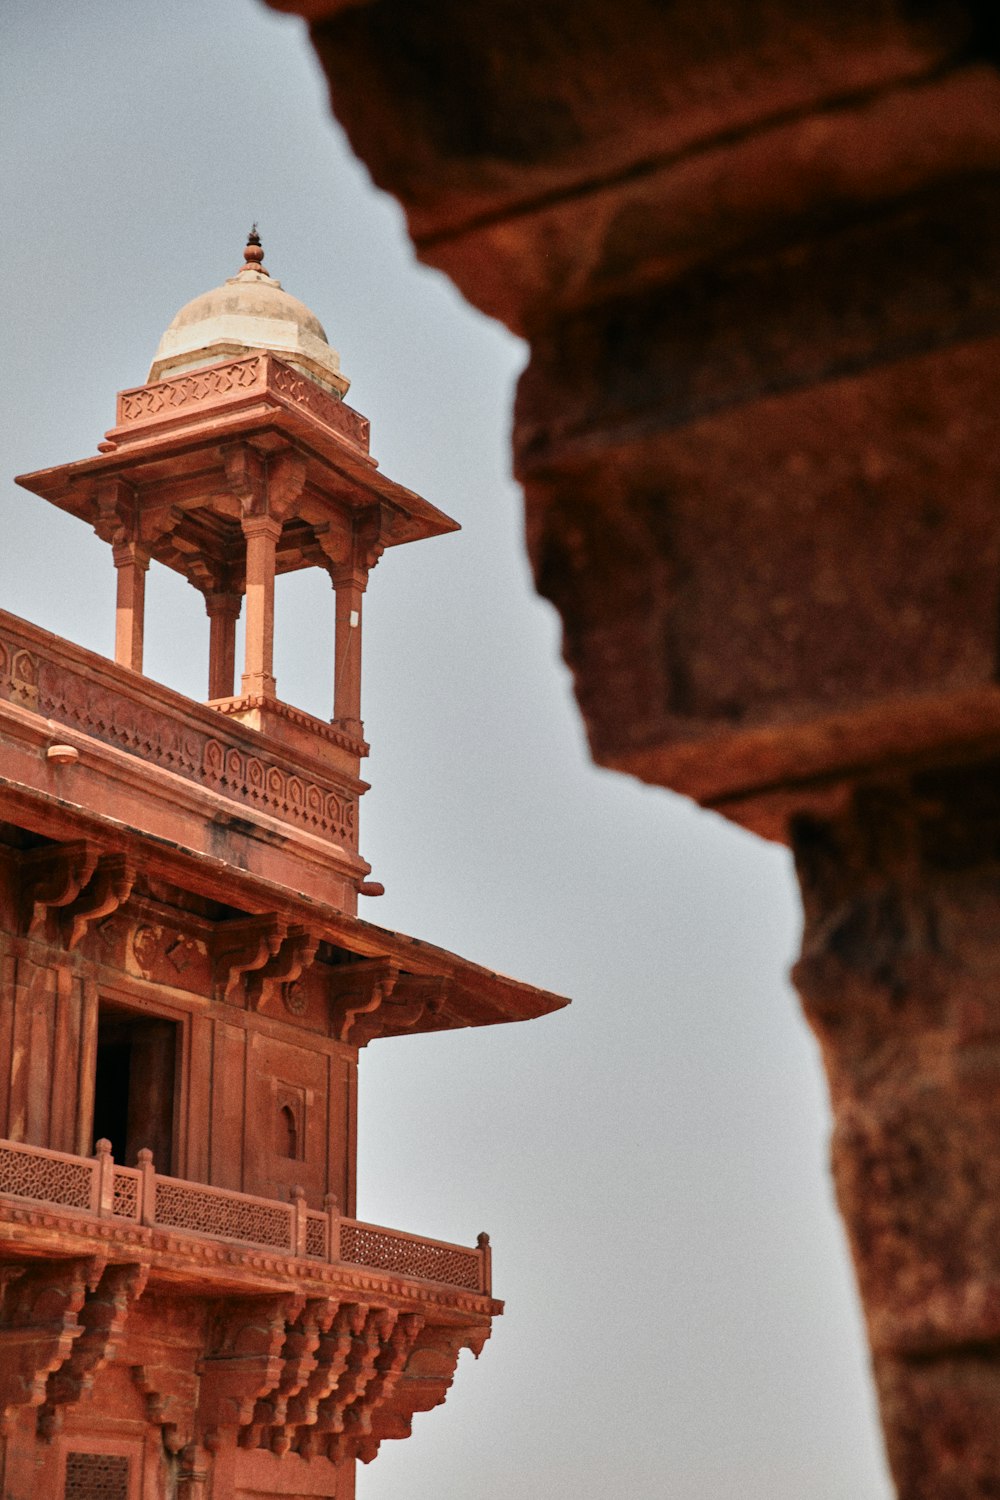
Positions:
{"x": 98, "y": 1185}
{"x": 63, "y": 682}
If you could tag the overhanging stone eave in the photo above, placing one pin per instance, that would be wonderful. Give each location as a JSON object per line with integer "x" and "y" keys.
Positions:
{"x": 470, "y": 994}
{"x": 72, "y": 487}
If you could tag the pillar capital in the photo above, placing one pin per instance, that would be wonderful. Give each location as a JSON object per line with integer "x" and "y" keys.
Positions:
{"x": 128, "y": 553}
{"x": 260, "y": 525}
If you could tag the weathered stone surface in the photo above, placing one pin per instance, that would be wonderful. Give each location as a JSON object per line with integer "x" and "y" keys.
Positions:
{"x": 753, "y": 249}
{"x": 899, "y": 977}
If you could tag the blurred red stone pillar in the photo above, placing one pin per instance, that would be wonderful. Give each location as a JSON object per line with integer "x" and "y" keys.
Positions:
{"x": 755, "y": 251}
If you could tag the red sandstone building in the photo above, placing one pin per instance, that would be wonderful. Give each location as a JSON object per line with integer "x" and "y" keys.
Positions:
{"x": 189, "y": 1305}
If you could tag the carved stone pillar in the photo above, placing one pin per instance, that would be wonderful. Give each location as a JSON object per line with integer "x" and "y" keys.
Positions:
{"x": 900, "y": 978}
{"x": 261, "y": 533}
{"x": 350, "y": 587}
{"x": 131, "y": 561}
{"x": 223, "y": 612}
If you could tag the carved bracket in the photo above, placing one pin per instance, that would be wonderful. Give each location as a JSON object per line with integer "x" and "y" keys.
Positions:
{"x": 366, "y": 1346}
{"x": 283, "y": 969}
{"x": 244, "y": 1361}
{"x": 412, "y": 997}
{"x": 357, "y": 991}
{"x": 422, "y": 1383}
{"x": 38, "y": 1328}
{"x": 115, "y": 511}
{"x": 54, "y": 877}
{"x": 242, "y": 947}
{"x": 331, "y": 1360}
{"x": 300, "y": 1360}
{"x": 109, "y": 886}
{"x": 102, "y": 1319}
{"x": 171, "y": 1396}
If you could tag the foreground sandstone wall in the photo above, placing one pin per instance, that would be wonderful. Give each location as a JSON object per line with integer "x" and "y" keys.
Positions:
{"x": 754, "y": 250}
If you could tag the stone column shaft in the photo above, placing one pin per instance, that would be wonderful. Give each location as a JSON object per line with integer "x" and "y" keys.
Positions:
{"x": 350, "y": 588}
{"x": 262, "y": 533}
{"x": 131, "y": 561}
{"x": 223, "y": 613}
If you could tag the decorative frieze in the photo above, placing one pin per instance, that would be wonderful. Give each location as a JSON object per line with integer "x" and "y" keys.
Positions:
{"x": 235, "y": 380}
{"x": 94, "y": 704}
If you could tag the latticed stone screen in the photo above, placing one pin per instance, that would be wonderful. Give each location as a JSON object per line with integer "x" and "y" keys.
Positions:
{"x": 96, "y": 1476}
{"x": 391, "y": 1252}
{"x": 316, "y": 1236}
{"x": 126, "y": 1204}
{"x": 208, "y": 1211}
{"x": 48, "y": 1179}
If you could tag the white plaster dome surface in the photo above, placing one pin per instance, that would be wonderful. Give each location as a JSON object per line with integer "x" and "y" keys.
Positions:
{"x": 249, "y": 312}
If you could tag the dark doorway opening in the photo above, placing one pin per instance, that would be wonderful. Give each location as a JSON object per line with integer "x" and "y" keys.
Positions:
{"x": 134, "y": 1086}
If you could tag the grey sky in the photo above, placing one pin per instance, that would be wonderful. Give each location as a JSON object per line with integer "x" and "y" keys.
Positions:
{"x": 651, "y": 1164}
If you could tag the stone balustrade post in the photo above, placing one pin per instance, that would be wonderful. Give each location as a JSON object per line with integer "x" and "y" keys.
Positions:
{"x": 485, "y": 1264}
{"x": 332, "y": 1206}
{"x": 298, "y": 1221}
{"x": 105, "y": 1184}
{"x": 147, "y": 1187}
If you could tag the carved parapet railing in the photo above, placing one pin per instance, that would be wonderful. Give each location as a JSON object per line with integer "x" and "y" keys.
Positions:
{"x": 98, "y": 1185}
{"x": 406, "y": 1255}
{"x": 260, "y": 377}
{"x": 95, "y": 696}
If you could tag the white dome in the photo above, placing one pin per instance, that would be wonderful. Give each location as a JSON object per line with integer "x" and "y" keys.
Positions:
{"x": 249, "y": 312}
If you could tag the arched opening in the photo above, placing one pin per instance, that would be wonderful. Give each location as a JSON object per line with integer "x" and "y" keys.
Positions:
{"x": 288, "y": 1133}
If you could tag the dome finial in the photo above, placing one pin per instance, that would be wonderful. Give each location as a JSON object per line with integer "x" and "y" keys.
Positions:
{"x": 253, "y": 255}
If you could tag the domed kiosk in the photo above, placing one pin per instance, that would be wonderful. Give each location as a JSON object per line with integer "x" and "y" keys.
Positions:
{"x": 250, "y": 311}
{"x": 236, "y": 461}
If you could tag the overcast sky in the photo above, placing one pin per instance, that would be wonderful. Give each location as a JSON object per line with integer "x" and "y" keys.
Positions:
{"x": 651, "y": 1163}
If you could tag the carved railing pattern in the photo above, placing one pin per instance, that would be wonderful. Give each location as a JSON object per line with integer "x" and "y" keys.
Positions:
{"x": 126, "y": 1201}
{"x": 334, "y": 413}
{"x": 91, "y": 700}
{"x": 146, "y": 402}
{"x": 142, "y": 1195}
{"x": 215, "y": 1211}
{"x": 392, "y": 1250}
{"x": 238, "y": 378}
{"x": 316, "y": 1235}
{"x": 47, "y": 1176}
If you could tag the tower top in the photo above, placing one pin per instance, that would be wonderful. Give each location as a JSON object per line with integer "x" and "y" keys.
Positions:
{"x": 250, "y": 311}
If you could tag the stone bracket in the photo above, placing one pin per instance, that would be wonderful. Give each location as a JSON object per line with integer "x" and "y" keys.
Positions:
{"x": 358, "y": 990}
{"x": 102, "y": 1318}
{"x": 244, "y": 1361}
{"x": 242, "y": 947}
{"x": 39, "y": 1325}
{"x": 109, "y": 886}
{"x": 52, "y": 878}
{"x": 282, "y": 969}
{"x": 300, "y": 1362}
{"x": 412, "y": 997}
